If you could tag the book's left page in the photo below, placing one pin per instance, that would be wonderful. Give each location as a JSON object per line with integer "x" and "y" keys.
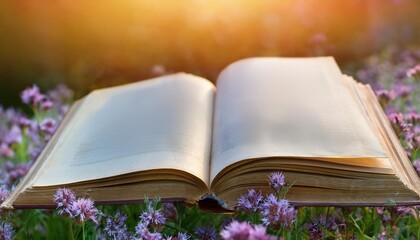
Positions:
{"x": 163, "y": 123}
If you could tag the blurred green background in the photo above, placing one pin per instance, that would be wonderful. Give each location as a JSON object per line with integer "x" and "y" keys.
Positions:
{"x": 98, "y": 43}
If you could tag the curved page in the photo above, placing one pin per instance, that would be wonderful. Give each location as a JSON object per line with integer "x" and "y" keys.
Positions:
{"x": 163, "y": 123}
{"x": 288, "y": 107}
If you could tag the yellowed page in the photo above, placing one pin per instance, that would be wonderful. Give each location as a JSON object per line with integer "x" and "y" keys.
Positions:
{"x": 160, "y": 123}
{"x": 297, "y": 107}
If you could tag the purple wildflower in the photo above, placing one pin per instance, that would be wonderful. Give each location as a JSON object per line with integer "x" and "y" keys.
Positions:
{"x": 4, "y": 193}
{"x": 24, "y": 122}
{"x": 402, "y": 90}
{"x": 6, "y": 231}
{"x": 206, "y": 233}
{"x": 17, "y": 171}
{"x": 416, "y": 165}
{"x": 183, "y": 236}
{"x": 403, "y": 210}
{"x": 64, "y": 199}
{"x": 48, "y": 125}
{"x": 385, "y": 96}
{"x": 412, "y": 117}
{"x": 6, "y": 151}
{"x": 169, "y": 211}
{"x": 260, "y": 233}
{"x": 413, "y": 71}
{"x": 321, "y": 227}
{"x": 14, "y": 136}
{"x": 152, "y": 216}
{"x": 413, "y": 140}
{"x": 116, "y": 228}
{"x": 84, "y": 209}
{"x": 46, "y": 105}
{"x": 276, "y": 181}
{"x": 32, "y": 96}
{"x": 245, "y": 231}
{"x": 277, "y": 212}
{"x": 236, "y": 231}
{"x": 250, "y": 202}
{"x": 144, "y": 234}
{"x": 398, "y": 123}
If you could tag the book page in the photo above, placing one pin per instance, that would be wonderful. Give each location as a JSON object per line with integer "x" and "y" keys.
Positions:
{"x": 163, "y": 123}
{"x": 288, "y": 107}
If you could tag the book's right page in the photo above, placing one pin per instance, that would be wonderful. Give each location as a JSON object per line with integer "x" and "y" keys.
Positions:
{"x": 290, "y": 107}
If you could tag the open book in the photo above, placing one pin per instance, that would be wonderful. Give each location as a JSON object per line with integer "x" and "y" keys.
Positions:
{"x": 179, "y": 138}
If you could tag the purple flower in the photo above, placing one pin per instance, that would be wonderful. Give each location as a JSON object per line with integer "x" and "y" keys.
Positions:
{"x": 236, "y": 231}
{"x": 4, "y": 193}
{"x": 6, "y": 231}
{"x": 276, "y": 181}
{"x": 250, "y": 202}
{"x": 169, "y": 211}
{"x": 398, "y": 123}
{"x": 321, "y": 227}
{"x": 24, "y": 122}
{"x": 14, "y": 136}
{"x": 183, "y": 236}
{"x": 402, "y": 210}
{"x": 144, "y": 234}
{"x": 413, "y": 71}
{"x": 152, "y": 216}
{"x": 385, "y": 96}
{"x": 379, "y": 210}
{"x": 46, "y": 105}
{"x": 64, "y": 199}
{"x": 277, "y": 212}
{"x": 245, "y": 231}
{"x": 48, "y": 125}
{"x": 413, "y": 140}
{"x": 402, "y": 90}
{"x": 84, "y": 209}
{"x": 17, "y": 171}
{"x": 6, "y": 151}
{"x": 260, "y": 233}
{"x": 205, "y": 233}
{"x": 416, "y": 165}
{"x": 412, "y": 117}
{"x": 116, "y": 228}
{"x": 32, "y": 96}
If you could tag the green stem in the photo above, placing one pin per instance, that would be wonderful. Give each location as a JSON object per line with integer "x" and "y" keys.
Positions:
{"x": 71, "y": 234}
{"x": 83, "y": 230}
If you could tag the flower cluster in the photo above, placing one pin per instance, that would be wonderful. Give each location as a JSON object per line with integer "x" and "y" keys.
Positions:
{"x": 6, "y": 231}
{"x": 82, "y": 209}
{"x": 22, "y": 138}
{"x": 116, "y": 227}
{"x": 275, "y": 211}
{"x": 251, "y": 202}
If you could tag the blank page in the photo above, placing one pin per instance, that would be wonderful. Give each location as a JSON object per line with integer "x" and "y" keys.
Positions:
{"x": 288, "y": 107}
{"x": 163, "y": 123}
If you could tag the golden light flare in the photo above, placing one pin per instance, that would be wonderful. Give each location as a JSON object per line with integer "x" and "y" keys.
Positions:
{"x": 100, "y": 43}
